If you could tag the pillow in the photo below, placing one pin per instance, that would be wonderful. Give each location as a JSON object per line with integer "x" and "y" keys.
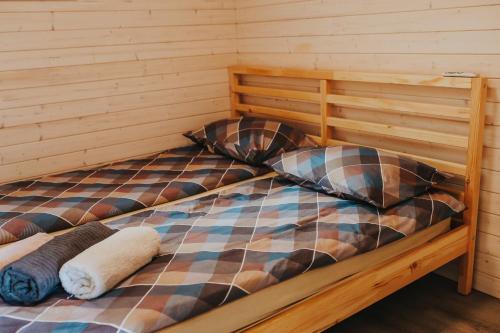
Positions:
{"x": 371, "y": 175}
{"x": 251, "y": 140}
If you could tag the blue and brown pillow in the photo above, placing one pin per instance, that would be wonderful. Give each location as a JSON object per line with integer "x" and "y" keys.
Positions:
{"x": 251, "y": 140}
{"x": 355, "y": 172}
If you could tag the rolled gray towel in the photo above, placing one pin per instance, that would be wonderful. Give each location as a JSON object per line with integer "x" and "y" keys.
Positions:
{"x": 30, "y": 279}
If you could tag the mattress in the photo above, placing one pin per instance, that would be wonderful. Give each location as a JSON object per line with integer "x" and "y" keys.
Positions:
{"x": 229, "y": 246}
{"x": 65, "y": 200}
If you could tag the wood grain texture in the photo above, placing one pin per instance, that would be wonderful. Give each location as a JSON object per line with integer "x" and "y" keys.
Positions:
{"x": 440, "y": 309}
{"x": 472, "y": 181}
{"x": 85, "y": 82}
{"x": 71, "y": 68}
{"x": 401, "y": 132}
{"x": 428, "y": 37}
{"x": 342, "y": 299}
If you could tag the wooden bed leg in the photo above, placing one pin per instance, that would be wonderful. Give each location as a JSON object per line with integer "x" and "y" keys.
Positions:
{"x": 466, "y": 274}
{"x": 472, "y": 182}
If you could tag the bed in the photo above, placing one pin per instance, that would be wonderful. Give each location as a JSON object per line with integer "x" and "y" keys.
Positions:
{"x": 204, "y": 281}
{"x": 61, "y": 201}
{"x": 234, "y": 244}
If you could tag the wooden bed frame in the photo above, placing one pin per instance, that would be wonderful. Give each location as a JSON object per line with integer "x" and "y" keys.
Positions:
{"x": 355, "y": 293}
{"x": 350, "y": 295}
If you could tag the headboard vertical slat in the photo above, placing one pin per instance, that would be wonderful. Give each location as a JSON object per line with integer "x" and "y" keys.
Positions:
{"x": 324, "y": 89}
{"x": 234, "y": 97}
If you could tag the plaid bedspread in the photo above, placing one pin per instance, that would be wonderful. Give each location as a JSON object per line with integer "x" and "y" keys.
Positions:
{"x": 223, "y": 247}
{"x": 58, "y": 202}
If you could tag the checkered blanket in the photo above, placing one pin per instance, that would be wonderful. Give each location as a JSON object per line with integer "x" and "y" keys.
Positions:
{"x": 58, "y": 202}
{"x": 222, "y": 247}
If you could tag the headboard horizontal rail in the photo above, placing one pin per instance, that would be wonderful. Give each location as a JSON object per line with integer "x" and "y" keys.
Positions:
{"x": 279, "y": 113}
{"x": 398, "y": 106}
{"x": 282, "y": 93}
{"x": 387, "y": 78}
{"x": 405, "y": 79}
{"x": 281, "y": 72}
{"x": 446, "y": 166}
{"x": 407, "y": 133}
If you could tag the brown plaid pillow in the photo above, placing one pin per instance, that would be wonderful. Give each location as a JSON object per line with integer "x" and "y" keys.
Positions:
{"x": 377, "y": 177}
{"x": 251, "y": 140}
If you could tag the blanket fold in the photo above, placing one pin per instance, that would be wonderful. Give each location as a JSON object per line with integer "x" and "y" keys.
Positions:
{"x": 17, "y": 250}
{"x": 30, "y": 279}
{"x": 102, "y": 266}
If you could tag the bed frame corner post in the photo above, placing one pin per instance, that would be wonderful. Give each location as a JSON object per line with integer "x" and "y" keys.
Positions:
{"x": 233, "y": 95}
{"x": 472, "y": 181}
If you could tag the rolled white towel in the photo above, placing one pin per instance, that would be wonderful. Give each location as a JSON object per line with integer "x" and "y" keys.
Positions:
{"x": 102, "y": 266}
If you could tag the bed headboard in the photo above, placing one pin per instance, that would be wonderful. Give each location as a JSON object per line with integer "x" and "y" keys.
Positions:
{"x": 434, "y": 119}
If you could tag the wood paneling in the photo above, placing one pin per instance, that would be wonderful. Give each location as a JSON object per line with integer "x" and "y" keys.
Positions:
{"x": 16, "y": 60}
{"x": 89, "y": 81}
{"x": 110, "y": 5}
{"x": 422, "y": 36}
{"x": 57, "y": 39}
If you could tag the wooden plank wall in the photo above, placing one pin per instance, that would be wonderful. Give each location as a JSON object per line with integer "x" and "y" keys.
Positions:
{"x": 88, "y": 81}
{"x": 420, "y": 36}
